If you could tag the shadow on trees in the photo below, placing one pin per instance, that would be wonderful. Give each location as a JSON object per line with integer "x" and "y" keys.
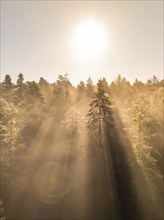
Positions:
{"x": 117, "y": 186}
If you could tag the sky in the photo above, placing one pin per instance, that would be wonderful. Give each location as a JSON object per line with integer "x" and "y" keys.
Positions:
{"x": 36, "y": 39}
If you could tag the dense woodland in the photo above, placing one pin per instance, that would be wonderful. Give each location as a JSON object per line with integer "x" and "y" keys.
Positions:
{"x": 85, "y": 152}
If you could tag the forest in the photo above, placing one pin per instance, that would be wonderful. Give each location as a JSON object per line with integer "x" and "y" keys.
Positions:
{"x": 85, "y": 152}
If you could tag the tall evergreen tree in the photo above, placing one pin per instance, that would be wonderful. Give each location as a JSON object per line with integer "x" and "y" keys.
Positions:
{"x": 33, "y": 96}
{"x": 140, "y": 134}
{"x": 81, "y": 87}
{"x": 89, "y": 87}
{"x": 9, "y": 131}
{"x": 100, "y": 115}
{"x": 100, "y": 126}
{"x": 7, "y": 88}
{"x": 72, "y": 122}
{"x": 20, "y": 91}
{"x": 20, "y": 80}
{"x": 61, "y": 96}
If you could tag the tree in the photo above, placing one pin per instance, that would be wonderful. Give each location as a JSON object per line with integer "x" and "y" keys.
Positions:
{"x": 61, "y": 96}
{"x": 81, "y": 87}
{"x": 153, "y": 81}
{"x": 34, "y": 109}
{"x": 20, "y": 91}
{"x": 100, "y": 128}
{"x": 105, "y": 84}
{"x": 100, "y": 115}
{"x": 46, "y": 91}
{"x": 152, "y": 84}
{"x": 89, "y": 87}
{"x": 140, "y": 134}
{"x": 33, "y": 97}
{"x": 43, "y": 82}
{"x": 20, "y": 80}
{"x": 138, "y": 85}
{"x": 81, "y": 91}
{"x": 7, "y": 83}
{"x": 9, "y": 130}
{"x": 72, "y": 125}
{"x": 7, "y": 88}
{"x": 120, "y": 89}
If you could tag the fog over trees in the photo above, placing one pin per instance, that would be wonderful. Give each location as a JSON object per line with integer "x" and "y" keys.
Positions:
{"x": 91, "y": 151}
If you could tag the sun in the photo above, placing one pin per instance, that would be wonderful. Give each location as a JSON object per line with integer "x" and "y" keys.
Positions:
{"x": 89, "y": 39}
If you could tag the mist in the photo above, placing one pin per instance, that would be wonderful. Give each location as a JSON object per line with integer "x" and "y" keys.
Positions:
{"x": 94, "y": 151}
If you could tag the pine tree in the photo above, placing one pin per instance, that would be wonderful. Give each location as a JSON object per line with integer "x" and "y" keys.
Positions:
{"x": 33, "y": 96}
{"x": 9, "y": 130}
{"x": 72, "y": 121}
{"x": 45, "y": 90}
{"x": 81, "y": 87}
{"x": 100, "y": 129}
{"x": 20, "y": 80}
{"x": 7, "y": 83}
{"x": 7, "y": 88}
{"x": 120, "y": 89}
{"x": 19, "y": 98}
{"x": 89, "y": 87}
{"x": 43, "y": 82}
{"x": 100, "y": 115}
{"x": 140, "y": 134}
{"x": 61, "y": 96}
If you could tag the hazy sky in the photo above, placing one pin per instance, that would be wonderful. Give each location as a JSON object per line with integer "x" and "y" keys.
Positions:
{"x": 36, "y": 39}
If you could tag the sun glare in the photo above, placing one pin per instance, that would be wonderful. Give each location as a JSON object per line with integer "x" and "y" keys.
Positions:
{"x": 89, "y": 39}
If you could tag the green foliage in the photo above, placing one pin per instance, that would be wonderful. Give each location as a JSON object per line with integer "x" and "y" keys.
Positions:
{"x": 61, "y": 99}
{"x": 81, "y": 87}
{"x": 30, "y": 126}
{"x": 33, "y": 96}
{"x": 140, "y": 135}
{"x": 8, "y": 126}
{"x": 46, "y": 92}
{"x": 72, "y": 123}
{"x": 89, "y": 87}
{"x": 19, "y": 92}
{"x": 81, "y": 92}
{"x": 7, "y": 83}
{"x": 7, "y": 89}
{"x": 39, "y": 120}
{"x": 100, "y": 115}
{"x": 20, "y": 80}
{"x": 120, "y": 89}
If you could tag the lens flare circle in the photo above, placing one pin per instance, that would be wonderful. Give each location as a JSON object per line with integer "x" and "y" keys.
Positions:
{"x": 52, "y": 183}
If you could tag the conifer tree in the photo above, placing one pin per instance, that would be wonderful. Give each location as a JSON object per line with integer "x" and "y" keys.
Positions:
{"x": 72, "y": 122}
{"x": 140, "y": 134}
{"x": 100, "y": 115}
{"x": 20, "y": 91}
{"x": 33, "y": 96}
{"x": 89, "y": 87}
{"x": 20, "y": 80}
{"x": 100, "y": 128}
{"x": 81, "y": 91}
{"x": 61, "y": 96}
{"x": 8, "y": 126}
{"x": 7, "y": 88}
{"x": 7, "y": 83}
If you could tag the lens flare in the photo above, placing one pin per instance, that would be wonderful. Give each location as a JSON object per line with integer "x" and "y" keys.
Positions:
{"x": 51, "y": 184}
